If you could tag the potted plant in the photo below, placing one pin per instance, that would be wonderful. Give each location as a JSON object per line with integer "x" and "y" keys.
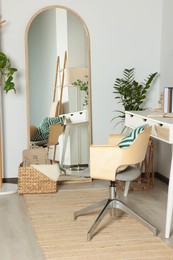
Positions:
{"x": 83, "y": 85}
{"x": 6, "y": 73}
{"x": 130, "y": 93}
{"x": 6, "y": 82}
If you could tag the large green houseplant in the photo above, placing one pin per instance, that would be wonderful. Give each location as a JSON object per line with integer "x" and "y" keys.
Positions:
{"x": 130, "y": 93}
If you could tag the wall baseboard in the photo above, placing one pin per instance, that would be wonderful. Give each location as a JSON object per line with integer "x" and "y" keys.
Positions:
{"x": 156, "y": 174}
{"x": 10, "y": 180}
{"x": 161, "y": 177}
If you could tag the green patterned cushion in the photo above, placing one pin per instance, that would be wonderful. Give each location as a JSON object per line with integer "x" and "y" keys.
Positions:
{"x": 44, "y": 128}
{"x": 131, "y": 137}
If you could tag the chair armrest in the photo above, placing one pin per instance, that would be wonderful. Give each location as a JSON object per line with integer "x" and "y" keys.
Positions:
{"x": 104, "y": 161}
{"x": 114, "y": 139}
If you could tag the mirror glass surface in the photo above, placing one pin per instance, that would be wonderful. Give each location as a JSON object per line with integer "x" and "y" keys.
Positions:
{"x": 51, "y": 33}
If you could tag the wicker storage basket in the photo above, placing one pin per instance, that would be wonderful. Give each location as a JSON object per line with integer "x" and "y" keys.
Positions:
{"x": 31, "y": 180}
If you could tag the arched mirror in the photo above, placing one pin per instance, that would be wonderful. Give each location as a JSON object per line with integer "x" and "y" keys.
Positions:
{"x": 58, "y": 55}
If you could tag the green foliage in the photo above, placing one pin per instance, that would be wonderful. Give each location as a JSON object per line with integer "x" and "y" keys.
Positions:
{"x": 6, "y": 73}
{"x": 83, "y": 85}
{"x": 130, "y": 93}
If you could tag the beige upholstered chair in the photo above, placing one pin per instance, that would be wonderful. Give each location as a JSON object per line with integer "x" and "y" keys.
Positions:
{"x": 55, "y": 131}
{"x": 110, "y": 159}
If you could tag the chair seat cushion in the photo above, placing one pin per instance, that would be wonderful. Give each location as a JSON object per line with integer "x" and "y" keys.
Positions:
{"x": 130, "y": 138}
{"x": 129, "y": 174}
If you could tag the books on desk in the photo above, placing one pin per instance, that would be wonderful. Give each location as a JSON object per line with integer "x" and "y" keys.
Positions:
{"x": 168, "y": 100}
{"x": 160, "y": 114}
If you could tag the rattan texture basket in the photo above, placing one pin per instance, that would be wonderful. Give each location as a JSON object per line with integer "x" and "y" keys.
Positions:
{"x": 31, "y": 180}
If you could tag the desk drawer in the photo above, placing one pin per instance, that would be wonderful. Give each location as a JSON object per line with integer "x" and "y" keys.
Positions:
{"x": 134, "y": 121}
{"x": 159, "y": 130}
{"x": 78, "y": 116}
{"x": 162, "y": 131}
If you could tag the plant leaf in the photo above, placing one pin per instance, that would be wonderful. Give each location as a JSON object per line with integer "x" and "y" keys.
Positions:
{"x": 131, "y": 94}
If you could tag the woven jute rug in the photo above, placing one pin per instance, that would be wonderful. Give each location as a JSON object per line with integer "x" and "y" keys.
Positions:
{"x": 60, "y": 237}
{"x": 69, "y": 179}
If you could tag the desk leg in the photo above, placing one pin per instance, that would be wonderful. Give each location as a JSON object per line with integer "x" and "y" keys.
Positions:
{"x": 169, "y": 200}
{"x": 66, "y": 134}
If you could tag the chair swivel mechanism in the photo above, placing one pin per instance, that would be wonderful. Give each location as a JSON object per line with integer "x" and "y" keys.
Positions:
{"x": 110, "y": 159}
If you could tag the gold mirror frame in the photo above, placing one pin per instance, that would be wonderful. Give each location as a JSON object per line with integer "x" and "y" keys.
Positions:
{"x": 27, "y": 68}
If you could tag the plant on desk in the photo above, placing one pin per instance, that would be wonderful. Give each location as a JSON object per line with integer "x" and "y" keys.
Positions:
{"x": 83, "y": 85}
{"x": 130, "y": 93}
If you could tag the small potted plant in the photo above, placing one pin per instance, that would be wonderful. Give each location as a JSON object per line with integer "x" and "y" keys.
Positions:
{"x": 130, "y": 93}
{"x": 83, "y": 85}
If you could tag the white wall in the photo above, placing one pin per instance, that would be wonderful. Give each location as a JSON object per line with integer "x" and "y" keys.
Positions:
{"x": 166, "y": 79}
{"x": 42, "y": 53}
{"x": 77, "y": 42}
{"x": 123, "y": 34}
{"x": 163, "y": 154}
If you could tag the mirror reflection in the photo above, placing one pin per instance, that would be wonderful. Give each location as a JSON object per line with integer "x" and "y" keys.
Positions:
{"x": 58, "y": 80}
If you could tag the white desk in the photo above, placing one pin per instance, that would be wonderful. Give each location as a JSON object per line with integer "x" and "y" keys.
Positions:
{"x": 78, "y": 118}
{"x": 162, "y": 129}
{"x": 66, "y": 134}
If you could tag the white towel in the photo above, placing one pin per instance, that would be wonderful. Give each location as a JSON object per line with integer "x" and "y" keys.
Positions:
{"x": 52, "y": 171}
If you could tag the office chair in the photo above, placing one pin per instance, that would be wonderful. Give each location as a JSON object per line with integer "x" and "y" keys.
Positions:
{"x": 48, "y": 132}
{"x": 105, "y": 163}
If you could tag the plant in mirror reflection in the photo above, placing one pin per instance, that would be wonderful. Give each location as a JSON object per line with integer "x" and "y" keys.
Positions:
{"x": 130, "y": 93}
{"x": 6, "y": 73}
{"x": 83, "y": 85}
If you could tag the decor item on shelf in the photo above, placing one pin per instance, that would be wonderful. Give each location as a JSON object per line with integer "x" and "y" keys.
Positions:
{"x": 161, "y": 103}
{"x": 130, "y": 93}
{"x": 83, "y": 85}
{"x": 6, "y": 84}
{"x": 167, "y": 100}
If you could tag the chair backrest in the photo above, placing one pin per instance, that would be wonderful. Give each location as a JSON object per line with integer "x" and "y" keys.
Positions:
{"x": 137, "y": 151}
{"x": 55, "y": 131}
{"x": 105, "y": 160}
